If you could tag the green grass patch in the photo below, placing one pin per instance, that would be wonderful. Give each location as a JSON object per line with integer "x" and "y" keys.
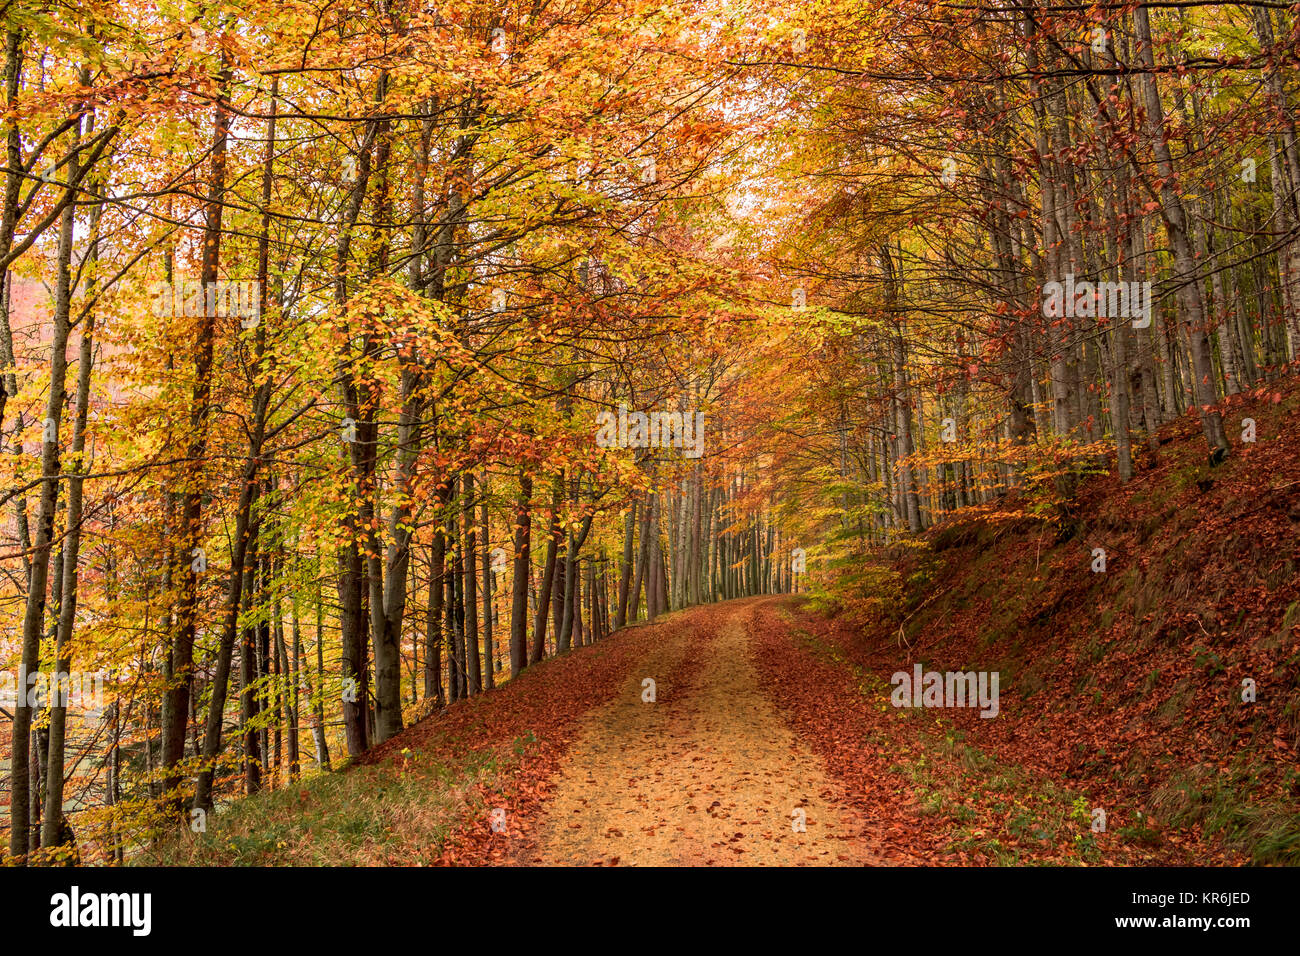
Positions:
{"x": 398, "y": 812}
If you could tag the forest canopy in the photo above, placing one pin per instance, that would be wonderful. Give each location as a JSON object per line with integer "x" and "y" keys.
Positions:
{"x": 355, "y": 357}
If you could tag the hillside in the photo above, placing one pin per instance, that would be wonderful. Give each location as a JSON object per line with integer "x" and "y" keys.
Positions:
{"x": 1127, "y": 683}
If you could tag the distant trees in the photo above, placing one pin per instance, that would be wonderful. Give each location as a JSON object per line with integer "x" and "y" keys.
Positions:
{"x": 981, "y": 234}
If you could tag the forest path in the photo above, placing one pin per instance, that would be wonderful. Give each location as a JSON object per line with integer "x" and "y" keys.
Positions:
{"x": 707, "y": 773}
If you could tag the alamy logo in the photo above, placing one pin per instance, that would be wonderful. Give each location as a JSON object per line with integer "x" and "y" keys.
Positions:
{"x": 221, "y": 298}
{"x": 1113, "y": 300}
{"x": 949, "y": 689}
{"x": 684, "y": 430}
{"x": 74, "y": 909}
{"x": 75, "y": 691}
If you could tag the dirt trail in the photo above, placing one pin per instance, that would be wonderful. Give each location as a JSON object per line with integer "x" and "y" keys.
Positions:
{"x": 708, "y": 773}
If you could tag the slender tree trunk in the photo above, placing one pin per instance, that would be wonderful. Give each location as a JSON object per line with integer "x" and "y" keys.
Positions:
{"x": 489, "y": 650}
{"x": 55, "y": 827}
{"x": 519, "y": 576}
{"x": 1189, "y": 288}
{"x": 21, "y": 791}
{"x": 553, "y": 533}
{"x": 176, "y": 701}
{"x": 625, "y": 568}
{"x": 433, "y": 639}
{"x": 469, "y": 553}
{"x": 248, "y": 489}
{"x": 248, "y": 703}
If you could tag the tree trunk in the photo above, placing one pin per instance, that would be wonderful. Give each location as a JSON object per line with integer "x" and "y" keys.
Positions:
{"x": 21, "y": 791}
{"x": 519, "y": 576}
{"x": 1189, "y": 289}
{"x": 553, "y": 533}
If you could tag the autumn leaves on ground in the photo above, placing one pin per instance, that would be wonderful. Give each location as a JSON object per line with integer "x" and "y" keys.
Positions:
{"x": 763, "y": 744}
{"x": 704, "y": 767}
{"x": 768, "y": 735}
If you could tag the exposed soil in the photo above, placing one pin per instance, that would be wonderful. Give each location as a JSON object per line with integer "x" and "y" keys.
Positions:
{"x": 707, "y": 774}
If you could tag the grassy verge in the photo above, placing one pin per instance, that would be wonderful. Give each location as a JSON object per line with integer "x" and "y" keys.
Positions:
{"x": 396, "y": 812}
